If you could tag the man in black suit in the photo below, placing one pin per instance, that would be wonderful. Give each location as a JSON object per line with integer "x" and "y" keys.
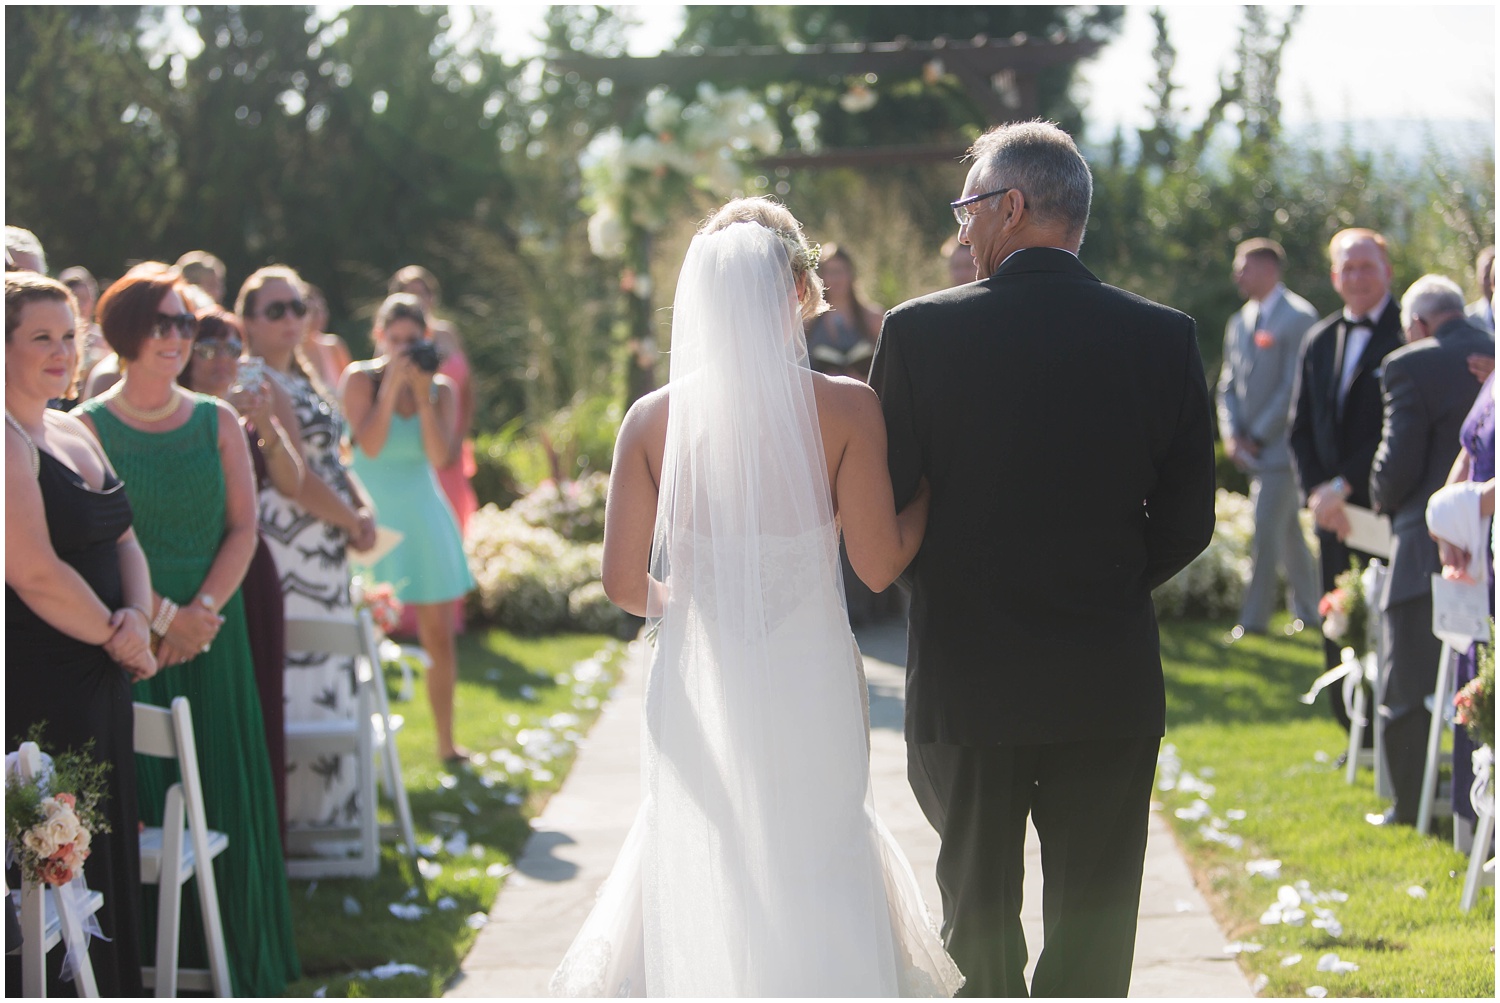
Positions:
{"x": 1336, "y": 409}
{"x": 1428, "y": 391}
{"x": 1066, "y": 431}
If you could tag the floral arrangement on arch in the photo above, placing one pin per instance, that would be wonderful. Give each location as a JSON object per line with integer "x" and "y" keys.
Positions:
{"x": 1475, "y": 704}
{"x": 638, "y": 181}
{"x": 50, "y": 820}
{"x": 1346, "y": 612}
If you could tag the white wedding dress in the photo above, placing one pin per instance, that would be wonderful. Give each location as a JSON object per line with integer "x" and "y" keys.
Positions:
{"x": 756, "y": 865}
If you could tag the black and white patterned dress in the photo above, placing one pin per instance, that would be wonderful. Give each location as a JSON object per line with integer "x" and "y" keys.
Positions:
{"x": 310, "y": 555}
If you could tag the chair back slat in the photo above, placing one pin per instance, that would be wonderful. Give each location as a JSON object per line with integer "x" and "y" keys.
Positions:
{"x": 155, "y": 733}
{"x": 324, "y": 636}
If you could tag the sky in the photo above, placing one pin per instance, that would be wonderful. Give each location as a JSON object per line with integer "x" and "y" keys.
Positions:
{"x": 1435, "y": 63}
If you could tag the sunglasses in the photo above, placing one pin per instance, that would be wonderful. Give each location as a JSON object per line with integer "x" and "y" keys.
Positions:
{"x": 278, "y": 310}
{"x": 208, "y": 351}
{"x": 184, "y": 325}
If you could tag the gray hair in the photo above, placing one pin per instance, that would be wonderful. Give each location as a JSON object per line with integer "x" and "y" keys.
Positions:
{"x": 1043, "y": 162}
{"x": 21, "y": 241}
{"x": 1431, "y": 296}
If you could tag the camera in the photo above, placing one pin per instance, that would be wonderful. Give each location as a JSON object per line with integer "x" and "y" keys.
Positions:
{"x": 251, "y": 371}
{"x": 425, "y": 355}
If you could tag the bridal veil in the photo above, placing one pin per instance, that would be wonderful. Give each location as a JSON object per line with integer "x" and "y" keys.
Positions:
{"x": 756, "y": 866}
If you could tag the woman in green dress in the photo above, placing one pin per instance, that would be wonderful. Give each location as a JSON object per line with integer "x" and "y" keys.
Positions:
{"x": 186, "y": 467}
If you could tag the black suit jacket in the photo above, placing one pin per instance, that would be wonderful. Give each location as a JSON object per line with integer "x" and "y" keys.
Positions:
{"x": 1428, "y": 393}
{"x": 1328, "y": 441}
{"x": 1066, "y": 430}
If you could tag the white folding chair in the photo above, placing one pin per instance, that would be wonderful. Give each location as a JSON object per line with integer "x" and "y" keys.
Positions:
{"x": 43, "y": 913}
{"x": 1442, "y": 713}
{"x": 183, "y": 847}
{"x": 368, "y": 735}
{"x": 1481, "y": 870}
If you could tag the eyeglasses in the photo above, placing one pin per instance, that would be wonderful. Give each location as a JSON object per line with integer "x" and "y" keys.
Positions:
{"x": 961, "y": 210}
{"x": 184, "y": 325}
{"x": 208, "y": 351}
{"x": 278, "y": 310}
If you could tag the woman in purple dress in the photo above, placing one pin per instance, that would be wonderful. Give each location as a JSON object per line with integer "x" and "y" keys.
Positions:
{"x": 1476, "y": 462}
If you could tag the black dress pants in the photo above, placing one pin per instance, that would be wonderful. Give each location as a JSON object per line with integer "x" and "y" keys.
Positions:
{"x": 1090, "y": 802}
{"x": 1411, "y": 675}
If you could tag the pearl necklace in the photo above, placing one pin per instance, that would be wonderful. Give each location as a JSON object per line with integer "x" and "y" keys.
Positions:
{"x": 129, "y": 410}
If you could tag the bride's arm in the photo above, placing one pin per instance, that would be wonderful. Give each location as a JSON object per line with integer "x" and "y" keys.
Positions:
{"x": 630, "y": 511}
{"x": 880, "y": 542}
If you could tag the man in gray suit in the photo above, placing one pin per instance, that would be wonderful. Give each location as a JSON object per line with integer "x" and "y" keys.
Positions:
{"x": 1427, "y": 391}
{"x": 1481, "y": 312}
{"x": 1262, "y": 343}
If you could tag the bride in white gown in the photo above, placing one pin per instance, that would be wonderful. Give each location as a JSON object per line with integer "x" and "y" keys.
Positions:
{"x": 756, "y": 865}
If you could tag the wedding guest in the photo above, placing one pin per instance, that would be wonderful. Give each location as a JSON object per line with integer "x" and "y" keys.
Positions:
{"x": 1481, "y": 312}
{"x": 309, "y": 534}
{"x": 327, "y": 351}
{"x": 841, "y": 341}
{"x": 1475, "y": 465}
{"x": 183, "y": 459}
{"x": 93, "y": 347}
{"x": 1427, "y": 390}
{"x": 77, "y": 602}
{"x": 402, "y": 426}
{"x": 204, "y": 271}
{"x": 959, "y": 259}
{"x": 213, "y": 369}
{"x": 23, "y": 251}
{"x": 456, "y": 475}
{"x": 1262, "y": 343}
{"x": 1336, "y": 413}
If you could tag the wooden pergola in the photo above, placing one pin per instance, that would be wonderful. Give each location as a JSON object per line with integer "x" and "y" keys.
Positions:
{"x": 998, "y": 74}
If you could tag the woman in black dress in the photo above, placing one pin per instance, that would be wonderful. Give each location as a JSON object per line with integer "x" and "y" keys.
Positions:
{"x": 76, "y": 592}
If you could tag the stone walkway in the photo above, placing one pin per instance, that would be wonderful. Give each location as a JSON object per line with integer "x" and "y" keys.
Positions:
{"x": 1179, "y": 948}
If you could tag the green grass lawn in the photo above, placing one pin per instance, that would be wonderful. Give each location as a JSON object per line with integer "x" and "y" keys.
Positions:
{"x": 526, "y": 700}
{"x": 1235, "y": 721}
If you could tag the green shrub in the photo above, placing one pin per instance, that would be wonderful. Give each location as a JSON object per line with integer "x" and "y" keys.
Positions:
{"x": 1226, "y": 474}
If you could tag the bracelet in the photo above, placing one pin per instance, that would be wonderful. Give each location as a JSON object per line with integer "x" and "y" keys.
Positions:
{"x": 165, "y": 613}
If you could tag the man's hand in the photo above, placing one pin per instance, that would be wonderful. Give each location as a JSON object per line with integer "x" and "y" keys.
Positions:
{"x": 1327, "y": 505}
{"x": 1242, "y": 451}
{"x": 1481, "y": 366}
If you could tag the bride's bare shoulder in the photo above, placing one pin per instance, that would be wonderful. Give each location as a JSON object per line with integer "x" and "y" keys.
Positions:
{"x": 646, "y": 421}
{"x": 843, "y": 400}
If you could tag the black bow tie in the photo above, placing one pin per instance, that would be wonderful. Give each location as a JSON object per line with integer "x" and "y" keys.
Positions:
{"x": 1359, "y": 322}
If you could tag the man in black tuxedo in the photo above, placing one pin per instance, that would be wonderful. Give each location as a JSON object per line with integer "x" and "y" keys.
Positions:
{"x": 1428, "y": 391}
{"x": 1066, "y": 431}
{"x": 1336, "y": 409}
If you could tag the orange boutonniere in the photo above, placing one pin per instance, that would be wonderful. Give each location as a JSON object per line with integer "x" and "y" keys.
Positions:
{"x": 1264, "y": 339}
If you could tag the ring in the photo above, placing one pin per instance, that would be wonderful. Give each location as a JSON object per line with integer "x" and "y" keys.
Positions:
{"x": 204, "y": 649}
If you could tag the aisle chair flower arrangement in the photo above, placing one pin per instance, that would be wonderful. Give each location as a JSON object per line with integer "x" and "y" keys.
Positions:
{"x": 379, "y": 598}
{"x": 1474, "y": 710}
{"x": 50, "y": 822}
{"x": 1346, "y": 622}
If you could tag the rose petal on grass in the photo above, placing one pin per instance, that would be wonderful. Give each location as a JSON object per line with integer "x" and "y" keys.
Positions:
{"x": 1235, "y": 814}
{"x": 1317, "y": 992}
{"x": 392, "y": 969}
{"x": 446, "y": 904}
{"x": 1417, "y": 892}
{"x": 405, "y": 911}
{"x": 1261, "y": 982}
{"x": 1243, "y": 947}
{"x": 1290, "y": 960}
{"x": 1264, "y": 868}
{"x": 477, "y": 921}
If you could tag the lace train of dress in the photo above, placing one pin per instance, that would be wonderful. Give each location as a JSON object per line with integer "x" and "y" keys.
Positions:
{"x": 766, "y": 878}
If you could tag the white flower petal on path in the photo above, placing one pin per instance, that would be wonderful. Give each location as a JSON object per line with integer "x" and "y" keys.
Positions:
{"x": 498, "y": 870}
{"x": 1243, "y": 947}
{"x": 1182, "y": 905}
{"x": 477, "y": 921}
{"x": 1261, "y": 982}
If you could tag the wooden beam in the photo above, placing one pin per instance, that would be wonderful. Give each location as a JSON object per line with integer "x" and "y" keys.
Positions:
{"x": 867, "y": 156}
{"x": 757, "y": 64}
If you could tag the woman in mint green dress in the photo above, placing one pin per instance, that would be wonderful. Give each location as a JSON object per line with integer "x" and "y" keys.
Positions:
{"x": 403, "y": 420}
{"x": 186, "y": 468}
